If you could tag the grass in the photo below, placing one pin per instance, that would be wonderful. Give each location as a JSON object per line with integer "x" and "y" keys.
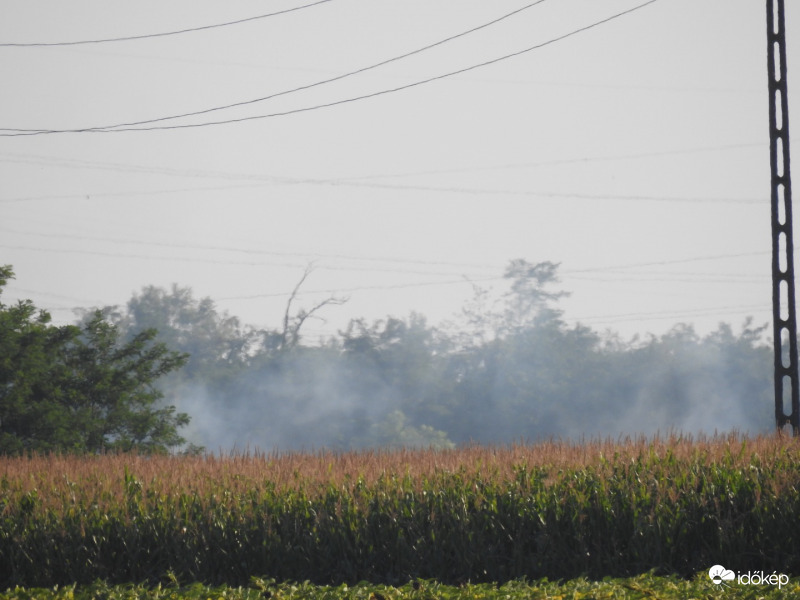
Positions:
{"x": 671, "y": 506}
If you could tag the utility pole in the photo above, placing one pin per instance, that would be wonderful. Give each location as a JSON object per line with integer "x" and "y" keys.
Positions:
{"x": 784, "y": 319}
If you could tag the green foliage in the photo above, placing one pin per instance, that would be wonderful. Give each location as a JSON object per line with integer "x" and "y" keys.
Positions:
{"x": 79, "y": 389}
{"x": 217, "y": 343}
{"x": 642, "y": 587}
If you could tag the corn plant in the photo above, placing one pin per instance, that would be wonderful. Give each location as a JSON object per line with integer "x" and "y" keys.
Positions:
{"x": 478, "y": 514}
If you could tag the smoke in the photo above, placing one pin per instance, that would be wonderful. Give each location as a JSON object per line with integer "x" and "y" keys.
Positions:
{"x": 308, "y": 401}
{"x": 681, "y": 383}
{"x": 546, "y": 382}
{"x": 512, "y": 371}
{"x": 554, "y": 382}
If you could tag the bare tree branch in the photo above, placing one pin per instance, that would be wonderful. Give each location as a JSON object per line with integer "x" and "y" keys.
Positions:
{"x": 290, "y": 336}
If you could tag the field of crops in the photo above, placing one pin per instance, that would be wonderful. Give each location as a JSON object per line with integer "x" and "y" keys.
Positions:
{"x": 465, "y": 517}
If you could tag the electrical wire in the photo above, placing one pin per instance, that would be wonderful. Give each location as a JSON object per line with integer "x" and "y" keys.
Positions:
{"x": 677, "y": 261}
{"x": 494, "y": 192}
{"x": 122, "y": 127}
{"x": 297, "y": 89}
{"x": 195, "y": 259}
{"x": 555, "y": 162}
{"x": 367, "y": 181}
{"x": 162, "y": 34}
{"x": 670, "y": 314}
{"x": 595, "y": 319}
{"x": 219, "y": 261}
{"x": 253, "y": 251}
{"x": 395, "y": 286}
{"x": 553, "y": 195}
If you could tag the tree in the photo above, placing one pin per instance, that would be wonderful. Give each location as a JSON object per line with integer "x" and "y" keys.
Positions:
{"x": 526, "y": 303}
{"x": 288, "y": 338}
{"x": 402, "y": 361}
{"x": 216, "y": 342}
{"x": 81, "y": 389}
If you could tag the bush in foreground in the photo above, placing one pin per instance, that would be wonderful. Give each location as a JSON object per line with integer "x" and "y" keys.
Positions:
{"x": 642, "y": 587}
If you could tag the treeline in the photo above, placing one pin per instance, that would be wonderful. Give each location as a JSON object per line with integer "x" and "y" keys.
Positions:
{"x": 508, "y": 368}
{"x": 172, "y": 372}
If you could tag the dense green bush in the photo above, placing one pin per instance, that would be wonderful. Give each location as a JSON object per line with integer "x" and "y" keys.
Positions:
{"x": 641, "y": 587}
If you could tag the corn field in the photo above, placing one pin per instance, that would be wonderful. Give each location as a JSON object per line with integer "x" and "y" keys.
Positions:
{"x": 479, "y": 514}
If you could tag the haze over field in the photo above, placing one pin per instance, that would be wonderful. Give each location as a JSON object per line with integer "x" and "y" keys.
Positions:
{"x": 408, "y": 151}
{"x": 507, "y": 369}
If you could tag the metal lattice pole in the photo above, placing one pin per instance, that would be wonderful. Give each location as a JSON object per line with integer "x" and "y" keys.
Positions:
{"x": 783, "y": 297}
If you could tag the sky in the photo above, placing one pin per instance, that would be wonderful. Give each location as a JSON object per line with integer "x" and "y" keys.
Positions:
{"x": 405, "y": 151}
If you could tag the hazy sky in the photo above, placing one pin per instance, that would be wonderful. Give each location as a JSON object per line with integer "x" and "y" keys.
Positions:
{"x": 634, "y": 152}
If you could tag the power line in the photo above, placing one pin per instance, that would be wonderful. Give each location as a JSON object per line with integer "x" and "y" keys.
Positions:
{"x": 121, "y": 127}
{"x": 669, "y": 314}
{"x": 366, "y": 182}
{"x": 613, "y": 318}
{"x": 596, "y": 320}
{"x": 364, "y": 288}
{"x": 215, "y": 188}
{"x": 568, "y": 272}
{"x": 162, "y": 34}
{"x": 377, "y": 287}
{"x": 547, "y": 194}
{"x": 254, "y": 251}
{"x": 422, "y": 188}
{"x": 301, "y": 88}
{"x": 34, "y": 159}
{"x": 219, "y": 261}
{"x": 696, "y": 278}
{"x": 559, "y": 161}
{"x": 16, "y": 291}
{"x": 668, "y": 262}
